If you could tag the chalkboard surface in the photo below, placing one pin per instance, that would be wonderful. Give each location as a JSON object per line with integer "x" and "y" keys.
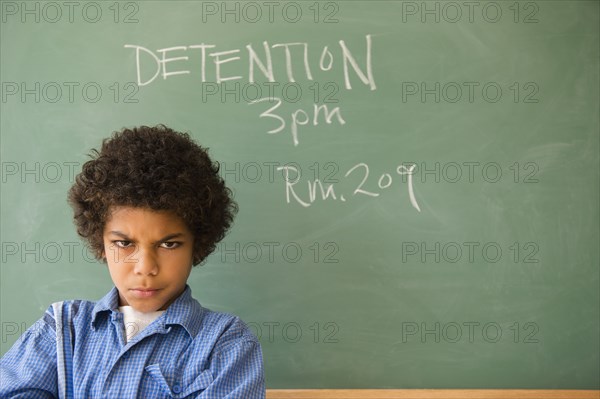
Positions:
{"x": 418, "y": 181}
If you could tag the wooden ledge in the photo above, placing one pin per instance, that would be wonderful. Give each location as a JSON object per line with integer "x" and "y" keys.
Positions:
{"x": 431, "y": 394}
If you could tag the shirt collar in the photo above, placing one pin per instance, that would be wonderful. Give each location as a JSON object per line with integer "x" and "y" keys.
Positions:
{"x": 185, "y": 310}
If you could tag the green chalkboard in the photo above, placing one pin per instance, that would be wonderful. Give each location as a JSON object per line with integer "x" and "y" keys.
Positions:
{"x": 418, "y": 181}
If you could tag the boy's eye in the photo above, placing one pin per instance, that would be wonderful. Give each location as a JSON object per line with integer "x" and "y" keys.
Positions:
{"x": 171, "y": 244}
{"x": 122, "y": 244}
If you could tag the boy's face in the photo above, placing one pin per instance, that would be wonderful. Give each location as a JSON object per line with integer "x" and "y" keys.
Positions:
{"x": 149, "y": 256}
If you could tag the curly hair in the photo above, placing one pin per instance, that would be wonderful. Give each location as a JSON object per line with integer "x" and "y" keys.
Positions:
{"x": 155, "y": 168}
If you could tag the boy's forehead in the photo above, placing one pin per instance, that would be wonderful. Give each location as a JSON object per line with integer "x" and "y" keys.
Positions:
{"x": 126, "y": 215}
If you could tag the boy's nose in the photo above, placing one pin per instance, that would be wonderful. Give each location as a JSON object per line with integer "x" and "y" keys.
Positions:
{"x": 147, "y": 263}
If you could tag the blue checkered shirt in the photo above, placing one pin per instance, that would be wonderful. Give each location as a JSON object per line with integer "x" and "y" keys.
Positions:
{"x": 187, "y": 352}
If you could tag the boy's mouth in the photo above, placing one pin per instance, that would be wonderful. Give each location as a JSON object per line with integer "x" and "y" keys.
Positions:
{"x": 144, "y": 292}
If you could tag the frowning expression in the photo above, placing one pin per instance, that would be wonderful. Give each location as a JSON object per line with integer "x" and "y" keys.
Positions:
{"x": 149, "y": 256}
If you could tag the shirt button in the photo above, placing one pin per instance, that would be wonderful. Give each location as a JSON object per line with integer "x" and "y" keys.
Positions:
{"x": 176, "y": 388}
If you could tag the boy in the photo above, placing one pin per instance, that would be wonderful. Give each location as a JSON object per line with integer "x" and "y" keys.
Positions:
{"x": 151, "y": 205}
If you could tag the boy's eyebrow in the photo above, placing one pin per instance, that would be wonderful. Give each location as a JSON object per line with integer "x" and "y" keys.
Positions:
{"x": 165, "y": 238}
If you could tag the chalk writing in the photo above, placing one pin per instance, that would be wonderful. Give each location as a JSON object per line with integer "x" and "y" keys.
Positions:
{"x": 167, "y": 62}
{"x": 328, "y": 191}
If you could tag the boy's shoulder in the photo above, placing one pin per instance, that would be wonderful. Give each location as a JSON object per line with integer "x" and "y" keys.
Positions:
{"x": 226, "y": 328}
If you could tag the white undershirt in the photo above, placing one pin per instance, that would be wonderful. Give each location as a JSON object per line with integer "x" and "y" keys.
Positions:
{"x": 135, "y": 321}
